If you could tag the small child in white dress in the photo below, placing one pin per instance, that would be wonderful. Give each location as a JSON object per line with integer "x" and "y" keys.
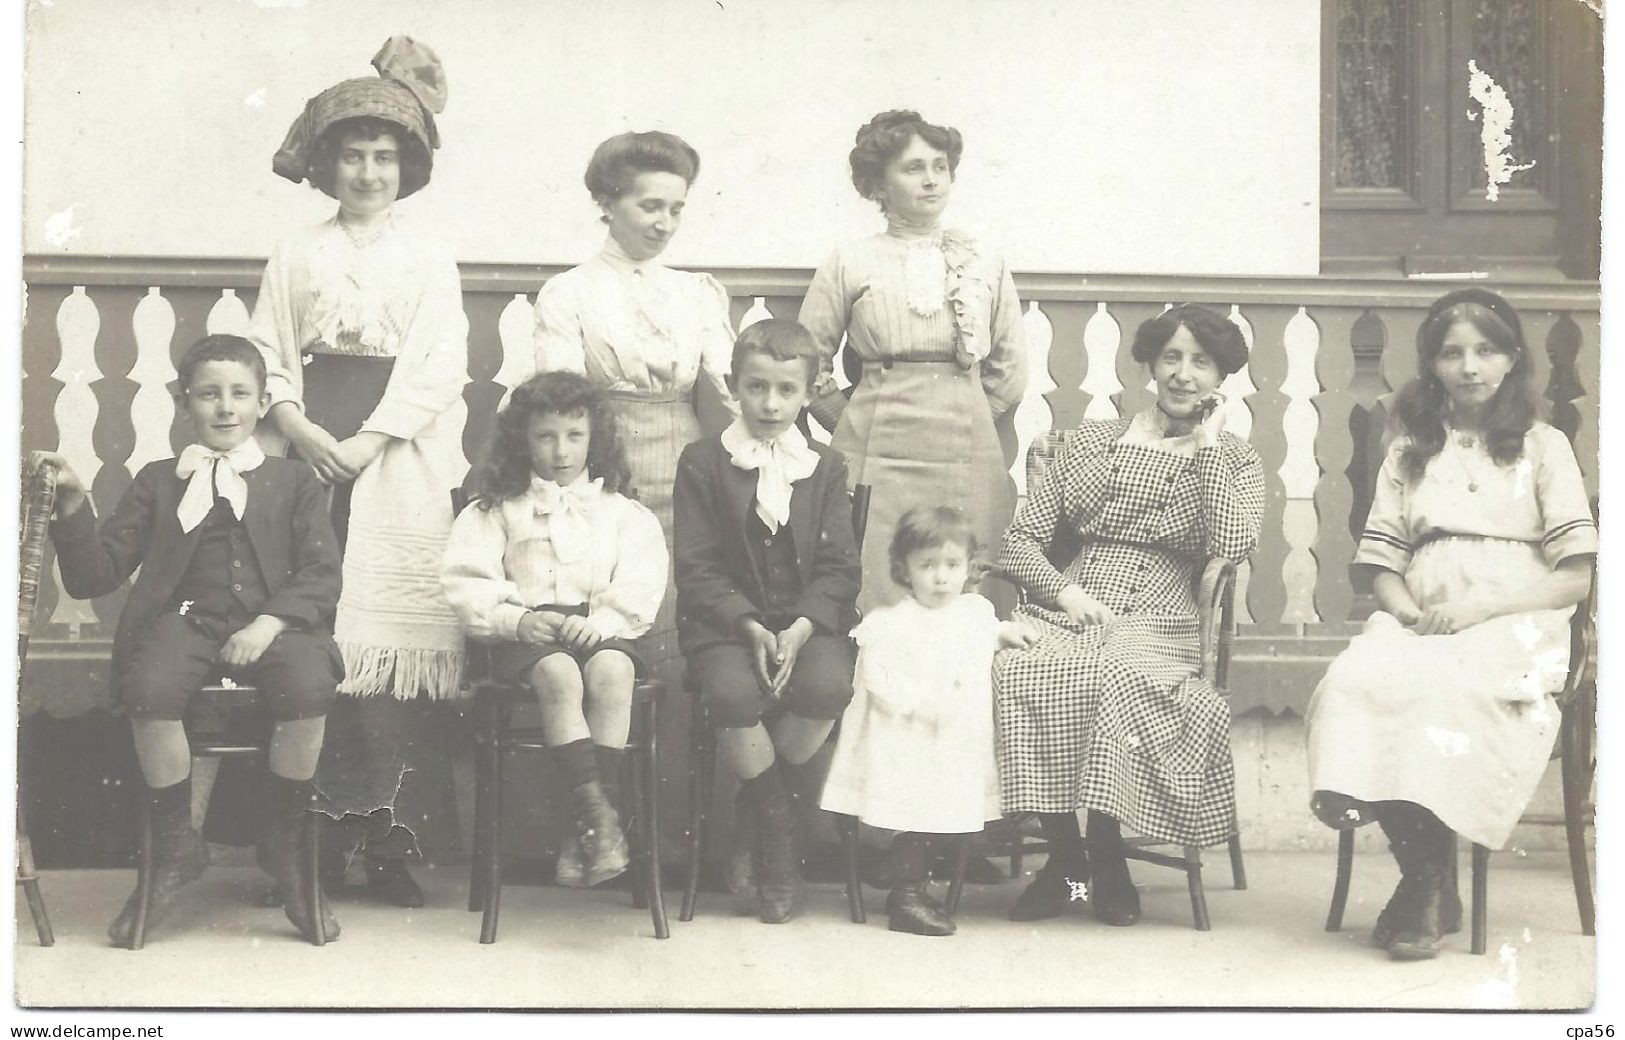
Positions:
{"x": 915, "y": 752}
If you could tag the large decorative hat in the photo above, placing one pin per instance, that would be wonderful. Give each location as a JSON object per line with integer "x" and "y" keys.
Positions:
{"x": 409, "y": 90}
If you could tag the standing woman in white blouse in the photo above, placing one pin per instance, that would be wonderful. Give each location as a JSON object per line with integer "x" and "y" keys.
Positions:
{"x": 933, "y": 314}
{"x": 360, "y": 321}
{"x": 640, "y": 331}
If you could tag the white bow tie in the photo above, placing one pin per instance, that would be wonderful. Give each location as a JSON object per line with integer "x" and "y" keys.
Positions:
{"x": 200, "y": 463}
{"x": 778, "y": 463}
{"x": 568, "y": 508}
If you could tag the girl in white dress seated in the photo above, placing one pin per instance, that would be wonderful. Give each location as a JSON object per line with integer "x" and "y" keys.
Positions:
{"x": 915, "y": 752}
{"x": 1438, "y": 719}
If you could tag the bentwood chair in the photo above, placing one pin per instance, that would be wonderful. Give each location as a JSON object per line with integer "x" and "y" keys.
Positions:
{"x": 506, "y": 721}
{"x": 702, "y": 767}
{"x": 39, "y": 499}
{"x": 1576, "y": 750}
{"x": 231, "y": 720}
{"x": 1216, "y": 602}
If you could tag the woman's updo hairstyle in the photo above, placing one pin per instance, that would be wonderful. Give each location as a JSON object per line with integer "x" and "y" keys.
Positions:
{"x": 1213, "y": 332}
{"x": 616, "y": 163}
{"x": 1422, "y": 405}
{"x": 885, "y": 137}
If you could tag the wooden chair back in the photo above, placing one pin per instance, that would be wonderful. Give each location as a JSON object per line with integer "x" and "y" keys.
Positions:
{"x": 39, "y": 499}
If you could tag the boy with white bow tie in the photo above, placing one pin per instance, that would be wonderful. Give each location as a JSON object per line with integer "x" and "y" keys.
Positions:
{"x": 239, "y": 577}
{"x": 767, "y": 582}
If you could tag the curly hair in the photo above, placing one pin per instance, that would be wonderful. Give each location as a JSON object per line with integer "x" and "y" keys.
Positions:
{"x": 1213, "y": 332}
{"x": 324, "y": 154}
{"x": 506, "y": 471}
{"x": 886, "y": 136}
{"x": 219, "y": 347}
{"x": 1422, "y": 404}
{"x": 927, "y": 527}
{"x": 616, "y": 163}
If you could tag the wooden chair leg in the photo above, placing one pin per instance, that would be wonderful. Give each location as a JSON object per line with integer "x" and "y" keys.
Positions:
{"x": 492, "y": 885}
{"x": 29, "y": 879}
{"x": 854, "y": 882}
{"x": 1576, "y": 789}
{"x": 1481, "y": 884}
{"x": 649, "y": 820}
{"x": 143, "y": 883}
{"x": 1238, "y": 869}
{"x": 1340, "y": 887}
{"x": 1193, "y": 878}
{"x": 637, "y": 872}
{"x": 957, "y": 888}
{"x": 482, "y": 811}
{"x": 310, "y": 876}
{"x": 702, "y": 778}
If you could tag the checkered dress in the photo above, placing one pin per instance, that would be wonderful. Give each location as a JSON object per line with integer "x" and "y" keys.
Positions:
{"x": 1114, "y": 717}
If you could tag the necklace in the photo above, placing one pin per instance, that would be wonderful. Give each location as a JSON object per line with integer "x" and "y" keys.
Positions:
{"x": 363, "y": 235}
{"x": 1466, "y": 442}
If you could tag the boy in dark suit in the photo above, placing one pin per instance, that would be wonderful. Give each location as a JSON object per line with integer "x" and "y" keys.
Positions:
{"x": 239, "y": 577}
{"x": 767, "y": 582}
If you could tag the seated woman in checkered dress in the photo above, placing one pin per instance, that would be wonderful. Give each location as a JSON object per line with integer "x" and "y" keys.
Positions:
{"x": 1105, "y": 711}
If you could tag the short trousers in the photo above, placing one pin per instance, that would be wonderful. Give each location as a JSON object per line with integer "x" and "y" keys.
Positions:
{"x": 820, "y": 685}
{"x": 298, "y": 674}
{"x": 511, "y": 662}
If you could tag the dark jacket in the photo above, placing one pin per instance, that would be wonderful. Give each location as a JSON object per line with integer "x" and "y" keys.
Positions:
{"x": 286, "y": 521}
{"x": 717, "y": 583}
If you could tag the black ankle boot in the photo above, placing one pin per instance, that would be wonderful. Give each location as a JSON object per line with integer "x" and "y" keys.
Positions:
{"x": 908, "y": 908}
{"x": 1050, "y": 893}
{"x": 1426, "y": 850}
{"x": 1112, "y": 894}
{"x": 286, "y": 850}
{"x": 179, "y": 857}
{"x": 777, "y": 862}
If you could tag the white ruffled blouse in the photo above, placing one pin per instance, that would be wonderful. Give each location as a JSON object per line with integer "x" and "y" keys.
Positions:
{"x": 570, "y": 545}
{"x": 635, "y": 326}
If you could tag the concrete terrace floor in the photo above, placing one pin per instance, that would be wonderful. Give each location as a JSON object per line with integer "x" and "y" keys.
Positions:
{"x": 564, "y": 948}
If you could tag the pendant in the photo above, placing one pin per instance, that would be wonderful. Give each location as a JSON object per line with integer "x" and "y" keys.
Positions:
{"x": 1472, "y": 487}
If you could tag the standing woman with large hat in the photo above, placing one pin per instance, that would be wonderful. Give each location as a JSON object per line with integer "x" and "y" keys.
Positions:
{"x": 643, "y": 333}
{"x": 361, "y": 323}
{"x": 932, "y": 312}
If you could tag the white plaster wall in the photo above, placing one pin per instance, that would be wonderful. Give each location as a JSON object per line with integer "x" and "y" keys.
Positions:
{"x": 1102, "y": 135}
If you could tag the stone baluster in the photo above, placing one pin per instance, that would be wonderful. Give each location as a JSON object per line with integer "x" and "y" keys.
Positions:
{"x": 757, "y": 311}
{"x": 153, "y": 409}
{"x": 77, "y": 324}
{"x": 1266, "y": 589}
{"x": 1299, "y": 473}
{"x": 1033, "y": 416}
{"x": 228, "y": 316}
{"x": 1334, "y": 449}
{"x": 1102, "y": 336}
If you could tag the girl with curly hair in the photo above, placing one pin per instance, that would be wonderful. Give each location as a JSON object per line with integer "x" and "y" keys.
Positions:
{"x": 560, "y": 568}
